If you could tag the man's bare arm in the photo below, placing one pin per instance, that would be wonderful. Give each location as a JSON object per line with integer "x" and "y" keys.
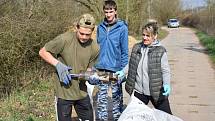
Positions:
{"x": 47, "y": 56}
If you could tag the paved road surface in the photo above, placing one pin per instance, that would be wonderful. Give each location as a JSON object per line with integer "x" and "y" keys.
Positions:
{"x": 193, "y": 78}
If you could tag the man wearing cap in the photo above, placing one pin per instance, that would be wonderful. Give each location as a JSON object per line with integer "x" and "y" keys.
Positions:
{"x": 72, "y": 52}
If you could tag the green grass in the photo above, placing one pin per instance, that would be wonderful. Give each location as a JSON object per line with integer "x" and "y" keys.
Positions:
{"x": 209, "y": 43}
{"x": 34, "y": 103}
{"x": 162, "y": 34}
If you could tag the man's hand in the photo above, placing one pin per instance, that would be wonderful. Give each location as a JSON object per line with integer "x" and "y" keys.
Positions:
{"x": 167, "y": 89}
{"x": 94, "y": 79}
{"x": 63, "y": 72}
{"x": 120, "y": 75}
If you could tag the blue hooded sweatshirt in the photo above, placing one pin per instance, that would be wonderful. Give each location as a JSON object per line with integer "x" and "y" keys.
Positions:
{"x": 113, "y": 41}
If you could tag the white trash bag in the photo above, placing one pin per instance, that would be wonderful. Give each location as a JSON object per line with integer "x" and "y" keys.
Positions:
{"x": 138, "y": 111}
{"x": 90, "y": 89}
{"x": 163, "y": 116}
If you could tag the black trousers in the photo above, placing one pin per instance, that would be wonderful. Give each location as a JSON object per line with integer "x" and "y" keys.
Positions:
{"x": 160, "y": 105}
{"x": 82, "y": 107}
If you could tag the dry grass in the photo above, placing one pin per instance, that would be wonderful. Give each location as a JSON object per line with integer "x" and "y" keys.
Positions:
{"x": 131, "y": 41}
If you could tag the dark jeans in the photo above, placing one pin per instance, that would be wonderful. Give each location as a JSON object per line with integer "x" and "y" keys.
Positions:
{"x": 161, "y": 105}
{"x": 82, "y": 107}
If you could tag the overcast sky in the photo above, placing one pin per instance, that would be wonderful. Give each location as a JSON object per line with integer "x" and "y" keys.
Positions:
{"x": 193, "y": 3}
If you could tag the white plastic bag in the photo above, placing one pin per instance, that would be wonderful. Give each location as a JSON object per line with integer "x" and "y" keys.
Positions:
{"x": 138, "y": 111}
{"x": 163, "y": 116}
{"x": 90, "y": 91}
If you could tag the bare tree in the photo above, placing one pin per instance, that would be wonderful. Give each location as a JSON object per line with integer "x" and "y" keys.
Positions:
{"x": 164, "y": 9}
{"x": 95, "y": 6}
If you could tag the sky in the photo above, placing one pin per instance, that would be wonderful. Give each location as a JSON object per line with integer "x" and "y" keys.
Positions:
{"x": 193, "y": 3}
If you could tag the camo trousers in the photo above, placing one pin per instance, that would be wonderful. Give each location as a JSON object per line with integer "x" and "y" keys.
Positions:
{"x": 102, "y": 101}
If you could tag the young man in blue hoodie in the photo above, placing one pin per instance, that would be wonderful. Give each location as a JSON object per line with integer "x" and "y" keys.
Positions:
{"x": 112, "y": 36}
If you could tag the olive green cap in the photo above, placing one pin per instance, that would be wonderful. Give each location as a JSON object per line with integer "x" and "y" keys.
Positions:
{"x": 87, "y": 21}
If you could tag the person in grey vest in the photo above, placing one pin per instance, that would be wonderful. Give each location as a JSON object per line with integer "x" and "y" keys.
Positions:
{"x": 149, "y": 73}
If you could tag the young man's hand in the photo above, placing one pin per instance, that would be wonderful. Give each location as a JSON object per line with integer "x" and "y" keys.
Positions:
{"x": 167, "y": 89}
{"x": 63, "y": 72}
{"x": 120, "y": 75}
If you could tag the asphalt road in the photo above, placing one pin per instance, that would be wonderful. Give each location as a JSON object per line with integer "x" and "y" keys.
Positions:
{"x": 192, "y": 76}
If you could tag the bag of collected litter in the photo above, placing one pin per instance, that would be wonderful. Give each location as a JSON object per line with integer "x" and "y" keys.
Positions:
{"x": 90, "y": 89}
{"x": 163, "y": 116}
{"x": 138, "y": 111}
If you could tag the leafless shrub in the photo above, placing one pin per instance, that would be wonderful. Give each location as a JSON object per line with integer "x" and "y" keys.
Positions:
{"x": 191, "y": 20}
{"x": 26, "y": 25}
{"x": 202, "y": 18}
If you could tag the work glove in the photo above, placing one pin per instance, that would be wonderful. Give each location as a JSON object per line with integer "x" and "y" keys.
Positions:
{"x": 167, "y": 89}
{"x": 94, "y": 79}
{"x": 63, "y": 72}
{"x": 121, "y": 75}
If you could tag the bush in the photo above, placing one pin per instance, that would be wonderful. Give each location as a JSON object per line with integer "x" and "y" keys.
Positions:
{"x": 25, "y": 27}
{"x": 191, "y": 20}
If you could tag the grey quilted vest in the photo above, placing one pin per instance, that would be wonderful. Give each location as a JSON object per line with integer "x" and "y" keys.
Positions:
{"x": 154, "y": 70}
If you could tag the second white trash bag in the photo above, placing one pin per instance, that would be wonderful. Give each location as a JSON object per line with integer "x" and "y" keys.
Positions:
{"x": 90, "y": 89}
{"x": 138, "y": 111}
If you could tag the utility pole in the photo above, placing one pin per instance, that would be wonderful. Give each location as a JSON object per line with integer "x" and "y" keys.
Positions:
{"x": 149, "y": 9}
{"x": 127, "y": 10}
{"x": 211, "y": 9}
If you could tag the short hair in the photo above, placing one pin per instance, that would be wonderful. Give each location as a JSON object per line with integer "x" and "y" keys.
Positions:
{"x": 151, "y": 27}
{"x": 109, "y": 4}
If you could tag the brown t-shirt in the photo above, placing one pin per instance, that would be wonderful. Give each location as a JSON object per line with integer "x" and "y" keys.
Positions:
{"x": 80, "y": 56}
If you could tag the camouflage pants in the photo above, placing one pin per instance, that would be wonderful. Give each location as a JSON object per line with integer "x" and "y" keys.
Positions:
{"x": 102, "y": 101}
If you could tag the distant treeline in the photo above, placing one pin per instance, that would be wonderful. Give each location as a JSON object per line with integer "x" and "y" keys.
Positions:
{"x": 202, "y": 18}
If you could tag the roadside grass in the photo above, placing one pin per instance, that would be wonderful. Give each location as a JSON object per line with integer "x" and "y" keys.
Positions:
{"x": 209, "y": 43}
{"x": 33, "y": 103}
{"x": 162, "y": 34}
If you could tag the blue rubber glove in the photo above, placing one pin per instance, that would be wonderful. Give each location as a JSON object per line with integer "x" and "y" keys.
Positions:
{"x": 167, "y": 89}
{"x": 63, "y": 72}
{"x": 121, "y": 76}
{"x": 94, "y": 79}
